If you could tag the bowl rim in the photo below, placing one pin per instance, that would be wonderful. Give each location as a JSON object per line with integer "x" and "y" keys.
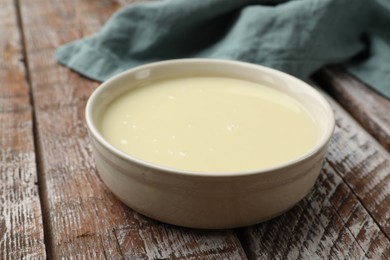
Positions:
{"x": 91, "y": 125}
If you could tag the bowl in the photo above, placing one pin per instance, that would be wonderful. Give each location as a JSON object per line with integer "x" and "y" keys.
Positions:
{"x": 208, "y": 200}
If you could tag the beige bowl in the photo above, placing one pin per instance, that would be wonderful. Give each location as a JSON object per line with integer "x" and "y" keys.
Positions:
{"x": 207, "y": 200}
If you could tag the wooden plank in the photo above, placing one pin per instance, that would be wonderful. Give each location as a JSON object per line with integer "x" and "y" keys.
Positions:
{"x": 86, "y": 220}
{"x": 367, "y": 106}
{"x": 345, "y": 216}
{"x": 21, "y": 229}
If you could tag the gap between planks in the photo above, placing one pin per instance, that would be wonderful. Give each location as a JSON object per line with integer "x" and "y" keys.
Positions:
{"x": 42, "y": 189}
{"x": 361, "y": 201}
{"x": 336, "y": 105}
{"x": 364, "y": 103}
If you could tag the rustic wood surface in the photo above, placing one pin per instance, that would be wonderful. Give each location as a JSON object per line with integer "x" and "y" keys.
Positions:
{"x": 21, "y": 229}
{"x": 370, "y": 108}
{"x": 345, "y": 216}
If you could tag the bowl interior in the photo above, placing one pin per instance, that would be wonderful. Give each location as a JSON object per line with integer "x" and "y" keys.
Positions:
{"x": 315, "y": 103}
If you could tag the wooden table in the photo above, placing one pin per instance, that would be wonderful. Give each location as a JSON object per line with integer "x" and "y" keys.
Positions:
{"x": 53, "y": 204}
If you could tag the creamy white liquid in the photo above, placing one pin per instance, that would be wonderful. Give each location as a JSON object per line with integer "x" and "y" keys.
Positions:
{"x": 209, "y": 124}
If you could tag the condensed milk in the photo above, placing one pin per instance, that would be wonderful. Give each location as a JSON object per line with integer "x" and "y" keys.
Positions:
{"x": 209, "y": 124}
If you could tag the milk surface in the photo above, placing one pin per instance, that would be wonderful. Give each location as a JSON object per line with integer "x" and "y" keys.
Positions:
{"x": 209, "y": 124}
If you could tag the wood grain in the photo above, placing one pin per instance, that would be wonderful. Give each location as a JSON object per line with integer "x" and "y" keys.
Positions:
{"x": 21, "y": 229}
{"x": 345, "y": 216}
{"x": 367, "y": 106}
{"x": 84, "y": 219}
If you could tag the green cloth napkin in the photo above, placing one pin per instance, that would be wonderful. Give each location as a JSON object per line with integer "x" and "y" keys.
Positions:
{"x": 296, "y": 36}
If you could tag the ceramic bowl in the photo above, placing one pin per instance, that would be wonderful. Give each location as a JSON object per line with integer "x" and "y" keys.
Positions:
{"x": 208, "y": 200}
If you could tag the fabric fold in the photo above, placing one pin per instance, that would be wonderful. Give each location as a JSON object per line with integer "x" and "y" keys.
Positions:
{"x": 296, "y": 36}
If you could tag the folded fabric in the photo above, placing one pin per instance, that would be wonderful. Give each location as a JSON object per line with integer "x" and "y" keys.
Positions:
{"x": 296, "y": 36}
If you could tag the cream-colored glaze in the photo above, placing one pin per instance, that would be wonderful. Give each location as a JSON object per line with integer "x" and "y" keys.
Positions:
{"x": 209, "y": 124}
